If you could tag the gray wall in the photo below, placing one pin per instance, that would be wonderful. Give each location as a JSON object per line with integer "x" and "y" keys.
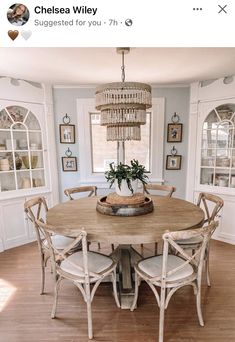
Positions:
{"x": 176, "y": 100}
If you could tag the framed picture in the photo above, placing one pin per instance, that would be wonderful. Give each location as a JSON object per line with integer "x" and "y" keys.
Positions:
{"x": 67, "y": 134}
{"x": 173, "y": 162}
{"x": 174, "y": 132}
{"x": 69, "y": 163}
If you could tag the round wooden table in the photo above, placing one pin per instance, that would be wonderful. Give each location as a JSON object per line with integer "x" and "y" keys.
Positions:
{"x": 169, "y": 214}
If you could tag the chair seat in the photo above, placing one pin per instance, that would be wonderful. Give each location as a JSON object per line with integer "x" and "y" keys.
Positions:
{"x": 59, "y": 241}
{"x": 192, "y": 241}
{"x": 153, "y": 267}
{"x": 97, "y": 263}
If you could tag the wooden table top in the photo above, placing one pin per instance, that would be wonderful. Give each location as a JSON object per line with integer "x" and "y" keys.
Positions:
{"x": 169, "y": 214}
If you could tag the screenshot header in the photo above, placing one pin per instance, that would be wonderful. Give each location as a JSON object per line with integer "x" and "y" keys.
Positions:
{"x": 122, "y": 23}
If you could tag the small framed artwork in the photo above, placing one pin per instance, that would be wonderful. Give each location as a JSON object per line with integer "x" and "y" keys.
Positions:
{"x": 67, "y": 134}
{"x": 174, "y": 132}
{"x": 69, "y": 163}
{"x": 173, "y": 162}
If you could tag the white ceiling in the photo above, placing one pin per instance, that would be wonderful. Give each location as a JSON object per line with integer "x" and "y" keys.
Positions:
{"x": 80, "y": 66}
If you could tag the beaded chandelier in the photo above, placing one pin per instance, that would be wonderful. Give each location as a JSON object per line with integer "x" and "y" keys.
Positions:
{"x": 123, "y": 106}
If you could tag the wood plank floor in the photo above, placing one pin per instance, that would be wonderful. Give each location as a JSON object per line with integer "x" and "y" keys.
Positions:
{"x": 25, "y": 315}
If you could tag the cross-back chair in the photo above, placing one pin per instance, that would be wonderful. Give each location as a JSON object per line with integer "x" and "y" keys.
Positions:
{"x": 92, "y": 191}
{"x": 171, "y": 272}
{"x": 36, "y": 209}
{"x": 167, "y": 190}
{"x": 211, "y": 204}
{"x": 83, "y": 268}
{"x": 154, "y": 189}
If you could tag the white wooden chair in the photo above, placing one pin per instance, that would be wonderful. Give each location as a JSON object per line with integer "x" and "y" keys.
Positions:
{"x": 35, "y": 209}
{"x": 92, "y": 191}
{"x": 165, "y": 190}
{"x": 211, "y": 204}
{"x": 171, "y": 272}
{"x": 155, "y": 189}
{"x": 82, "y": 268}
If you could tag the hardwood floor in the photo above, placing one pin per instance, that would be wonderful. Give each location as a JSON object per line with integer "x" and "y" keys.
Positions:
{"x": 25, "y": 315}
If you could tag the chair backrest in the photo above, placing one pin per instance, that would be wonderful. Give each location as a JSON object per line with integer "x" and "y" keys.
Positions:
{"x": 167, "y": 189}
{"x": 196, "y": 258}
{"x": 57, "y": 256}
{"x": 35, "y": 209}
{"x": 92, "y": 191}
{"x": 211, "y": 204}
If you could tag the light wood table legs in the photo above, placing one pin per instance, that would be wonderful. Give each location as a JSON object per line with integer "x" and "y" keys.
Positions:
{"x": 128, "y": 256}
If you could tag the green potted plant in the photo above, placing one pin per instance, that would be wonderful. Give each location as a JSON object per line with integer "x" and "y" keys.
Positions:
{"x": 126, "y": 177}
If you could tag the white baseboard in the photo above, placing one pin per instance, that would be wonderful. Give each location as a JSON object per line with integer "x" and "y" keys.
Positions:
{"x": 222, "y": 239}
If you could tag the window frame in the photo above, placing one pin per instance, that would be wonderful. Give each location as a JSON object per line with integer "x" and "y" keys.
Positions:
{"x": 149, "y": 138}
{"x": 87, "y": 105}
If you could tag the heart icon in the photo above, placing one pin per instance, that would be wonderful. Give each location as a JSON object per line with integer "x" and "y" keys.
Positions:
{"x": 13, "y": 34}
{"x": 26, "y": 34}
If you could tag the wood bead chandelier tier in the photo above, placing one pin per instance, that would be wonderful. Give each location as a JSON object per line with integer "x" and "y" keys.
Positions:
{"x": 123, "y": 106}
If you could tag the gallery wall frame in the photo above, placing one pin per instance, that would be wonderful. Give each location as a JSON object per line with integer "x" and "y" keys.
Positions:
{"x": 174, "y": 132}
{"x": 69, "y": 164}
{"x": 67, "y": 134}
{"x": 173, "y": 162}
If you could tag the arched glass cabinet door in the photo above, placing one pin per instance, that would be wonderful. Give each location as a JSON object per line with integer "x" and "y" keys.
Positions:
{"x": 218, "y": 148}
{"x": 21, "y": 150}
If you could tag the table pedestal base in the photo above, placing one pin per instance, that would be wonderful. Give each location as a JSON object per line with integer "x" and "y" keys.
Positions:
{"x": 127, "y": 256}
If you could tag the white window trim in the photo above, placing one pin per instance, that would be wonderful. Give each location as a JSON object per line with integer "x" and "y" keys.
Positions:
{"x": 85, "y": 106}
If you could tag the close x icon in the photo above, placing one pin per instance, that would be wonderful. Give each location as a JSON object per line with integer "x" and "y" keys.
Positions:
{"x": 222, "y": 9}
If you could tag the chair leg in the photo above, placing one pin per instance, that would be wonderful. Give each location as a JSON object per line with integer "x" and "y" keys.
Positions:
{"x": 88, "y": 303}
{"x": 114, "y": 281}
{"x": 112, "y": 245}
{"x": 56, "y": 290}
{"x": 134, "y": 304}
{"x": 42, "y": 274}
{"x": 207, "y": 268}
{"x": 162, "y": 313}
{"x": 142, "y": 249}
{"x": 89, "y": 319}
{"x": 155, "y": 252}
{"x": 99, "y": 246}
{"x": 198, "y": 303}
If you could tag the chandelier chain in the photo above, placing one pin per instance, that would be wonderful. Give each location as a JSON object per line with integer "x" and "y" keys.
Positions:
{"x": 123, "y": 106}
{"x": 123, "y": 68}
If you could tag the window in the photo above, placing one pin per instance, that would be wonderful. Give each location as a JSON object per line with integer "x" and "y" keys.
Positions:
{"x": 95, "y": 153}
{"x": 105, "y": 152}
{"x": 102, "y": 152}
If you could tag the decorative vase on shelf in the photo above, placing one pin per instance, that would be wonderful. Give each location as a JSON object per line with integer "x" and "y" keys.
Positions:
{"x": 34, "y": 161}
{"x": 18, "y": 161}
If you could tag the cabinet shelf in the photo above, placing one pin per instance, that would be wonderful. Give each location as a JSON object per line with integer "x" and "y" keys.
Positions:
{"x": 18, "y": 151}
{"x": 217, "y": 152}
{"x": 217, "y": 148}
{"x": 21, "y": 131}
{"x": 22, "y": 170}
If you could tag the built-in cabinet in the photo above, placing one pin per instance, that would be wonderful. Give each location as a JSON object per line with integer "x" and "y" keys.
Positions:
{"x": 23, "y": 150}
{"x": 27, "y": 157}
{"x": 217, "y": 150}
{"x": 211, "y": 160}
